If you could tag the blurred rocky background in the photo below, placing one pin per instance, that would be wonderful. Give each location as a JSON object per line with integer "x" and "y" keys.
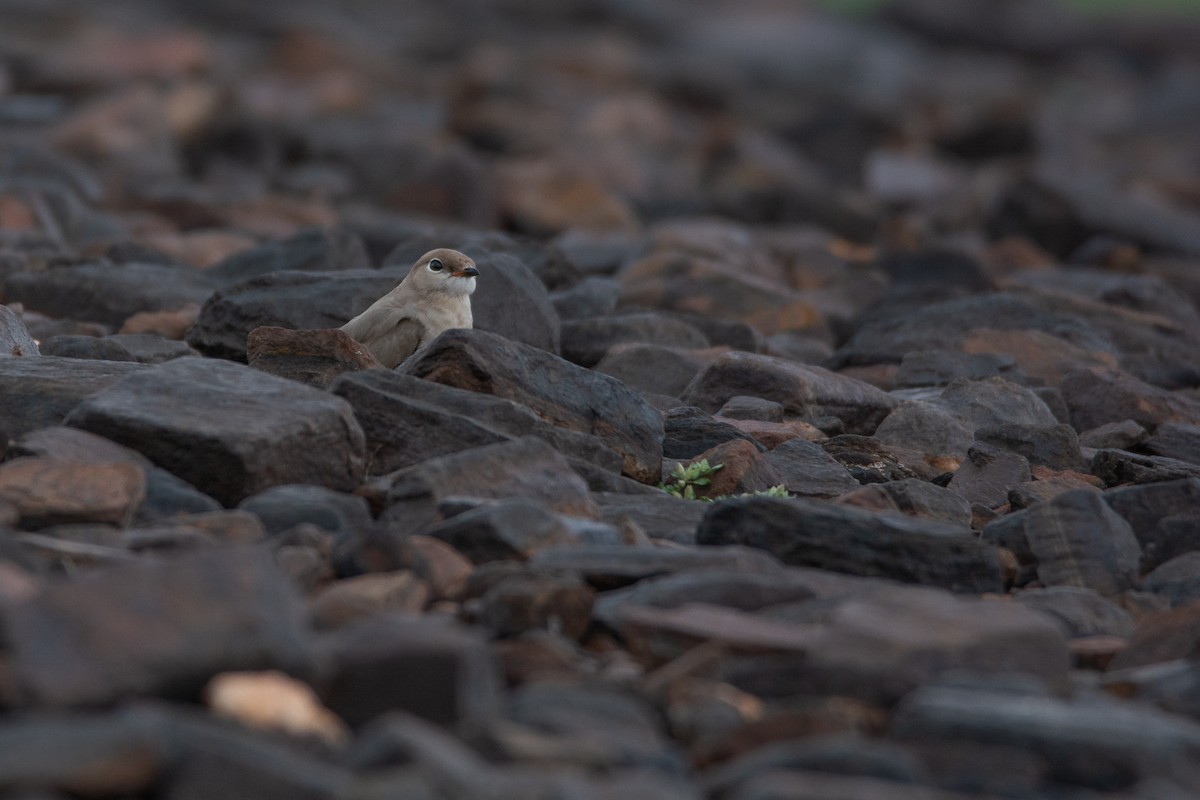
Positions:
{"x": 923, "y": 274}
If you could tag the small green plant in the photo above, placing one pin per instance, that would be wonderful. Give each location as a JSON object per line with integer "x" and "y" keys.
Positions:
{"x": 684, "y": 481}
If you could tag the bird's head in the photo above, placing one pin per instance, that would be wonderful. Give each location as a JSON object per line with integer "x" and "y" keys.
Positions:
{"x": 444, "y": 270}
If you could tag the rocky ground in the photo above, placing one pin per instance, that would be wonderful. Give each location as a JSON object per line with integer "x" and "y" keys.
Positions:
{"x": 936, "y": 273}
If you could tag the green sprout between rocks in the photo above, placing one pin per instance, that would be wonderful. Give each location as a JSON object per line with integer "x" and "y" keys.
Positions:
{"x": 684, "y": 480}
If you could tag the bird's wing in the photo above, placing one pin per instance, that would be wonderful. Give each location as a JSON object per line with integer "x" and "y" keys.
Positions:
{"x": 389, "y": 333}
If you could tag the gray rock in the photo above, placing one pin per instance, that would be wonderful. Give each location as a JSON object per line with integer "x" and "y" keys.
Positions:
{"x": 994, "y": 402}
{"x": 650, "y": 368}
{"x": 926, "y": 427}
{"x": 867, "y": 460}
{"x": 516, "y": 529}
{"x": 149, "y": 348}
{"x": 282, "y": 508}
{"x": 587, "y": 341}
{"x": 99, "y": 348}
{"x": 1178, "y": 579}
{"x": 1097, "y": 397}
{"x": 941, "y": 367}
{"x": 988, "y": 474}
{"x": 613, "y": 566}
{"x": 40, "y": 392}
{"x": 659, "y": 514}
{"x": 108, "y": 293}
{"x": 809, "y": 471}
{"x": 690, "y": 432}
{"x": 1176, "y": 440}
{"x": 1117, "y": 467}
{"x": 154, "y": 628}
{"x": 313, "y": 250}
{"x": 1123, "y": 435}
{"x": 826, "y": 536}
{"x": 229, "y": 430}
{"x": 14, "y": 336}
{"x": 558, "y": 391}
{"x": 804, "y": 390}
{"x": 1079, "y": 611}
{"x": 1150, "y": 509}
{"x": 594, "y": 296}
{"x": 924, "y": 499}
{"x": 1054, "y": 446}
{"x": 511, "y": 301}
{"x": 752, "y": 408}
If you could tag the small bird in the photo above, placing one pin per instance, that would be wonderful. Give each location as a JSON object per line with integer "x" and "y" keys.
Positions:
{"x": 435, "y": 296}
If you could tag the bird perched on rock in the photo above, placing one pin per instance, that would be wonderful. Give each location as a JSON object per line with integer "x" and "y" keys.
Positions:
{"x": 435, "y": 296}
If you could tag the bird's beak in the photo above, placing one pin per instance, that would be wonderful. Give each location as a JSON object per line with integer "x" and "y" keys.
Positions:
{"x": 466, "y": 272}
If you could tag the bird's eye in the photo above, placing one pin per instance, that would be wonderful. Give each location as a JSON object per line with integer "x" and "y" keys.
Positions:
{"x": 435, "y": 265}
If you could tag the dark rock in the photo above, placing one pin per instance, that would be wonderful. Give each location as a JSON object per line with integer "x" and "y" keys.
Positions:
{"x": 1173, "y": 686}
{"x": 593, "y": 296}
{"x": 722, "y": 332}
{"x": 1161, "y": 637}
{"x": 342, "y": 602}
{"x": 995, "y": 402}
{"x": 314, "y": 250}
{"x": 46, "y": 491}
{"x": 586, "y": 341}
{"x": 1078, "y": 611}
{"x": 149, "y": 348}
{"x": 84, "y": 754}
{"x": 988, "y": 474}
{"x": 526, "y": 467}
{"x": 292, "y": 300}
{"x": 1054, "y": 446}
{"x": 796, "y": 784}
{"x": 428, "y": 667}
{"x": 690, "y": 432}
{"x": 523, "y": 602}
{"x": 803, "y": 390}
{"x": 40, "y": 392}
{"x": 90, "y": 347}
{"x": 1117, "y": 467}
{"x": 743, "y": 469}
{"x": 651, "y": 368}
{"x": 1073, "y": 540}
{"x": 611, "y": 567}
{"x": 1047, "y": 485}
{"x": 14, "y": 336}
{"x": 941, "y": 367}
{"x": 1178, "y": 579}
{"x": 807, "y": 470}
{"x": 751, "y": 408}
{"x": 659, "y": 514}
{"x": 313, "y": 357}
{"x": 1102, "y": 744}
{"x": 511, "y": 301}
{"x": 559, "y": 392}
{"x": 1099, "y": 396}
{"x": 1052, "y": 397}
{"x": 229, "y": 430}
{"x": 516, "y": 529}
{"x": 1123, "y": 435}
{"x": 108, "y": 293}
{"x": 282, "y": 508}
{"x": 927, "y": 427}
{"x": 924, "y": 499}
{"x": 153, "y": 628}
{"x": 866, "y": 459}
{"x": 826, "y": 536}
{"x": 1163, "y": 517}
{"x": 1176, "y": 440}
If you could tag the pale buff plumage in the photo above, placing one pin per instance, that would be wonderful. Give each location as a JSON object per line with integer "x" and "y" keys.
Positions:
{"x": 435, "y": 296}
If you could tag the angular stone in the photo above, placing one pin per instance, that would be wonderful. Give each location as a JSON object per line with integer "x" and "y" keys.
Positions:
{"x": 1117, "y": 467}
{"x": 108, "y": 293}
{"x": 804, "y": 390}
{"x": 849, "y": 540}
{"x": 1163, "y": 517}
{"x": 559, "y": 392}
{"x": 807, "y": 470}
{"x": 611, "y": 567}
{"x": 866, "y": 459}
{"x": 747, "y": 407}
{"x": 525, "y": 467}
{"x": 796, "y": 784}
{"x": 513, "y": 302}
{"x": 927, "y": 427}
{"x": 47, "y": 491}
{"x": 690, "y": 432}
{"x": 586, "y": 341}
{"x": 351, "y": 599}
{"x": 227, "y": 429}
{"x": 1123, "y": 435}
{"x": 151, "y": 348}
{"x": 161, "y": 627}
{"x": 940, "y": 367}
{"x": 1176, "y": 440}
{"x": 880, "y": 646}
{"x": 988, "y": 474}
{"x": 99, "y": 348}
{"x": 1073, "y": 540}
{"x": 1054, "y": 446}
{"x": 651, "y": 368}
{"x": 1178, "y": 580}
{"x": 656, "y": 636}
{"x": 428, "y": 667}
{"x": 1103, "y": 744}
{"x": 1162, "y": 637}
{"x": 281, "y": 508}
{"x": 1042, "y": 355}
{"x": 995, "y": 402}
{"x": 407, "y": 420}
{"x": 594, "y": 296}
{"x": 1097, "y": 397}
{"x": 40, "y": 392}
{"x": 314, "y": 250}
{"x": 743, "y": 469}
{"x": 292, "y": 300}
{"x": 313, "y": 357}
{"x": 515, "y": 529}
{"x": 1047, "y": 485}
{"x": 1079, "y": 612}
{"x": 659, "y": 514}
{"x": 522, "y": 602}
{"x": 14, "y": 336}
{"x": 772, "y": 434}
{"x": 924, "y": 499}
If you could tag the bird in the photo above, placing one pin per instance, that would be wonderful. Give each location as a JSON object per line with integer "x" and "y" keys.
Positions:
{"x": 434, "y": 297}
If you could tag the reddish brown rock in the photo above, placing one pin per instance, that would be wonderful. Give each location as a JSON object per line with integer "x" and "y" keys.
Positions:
{"x": 312, "y": 357}
{"x": 744, "y": 469}
{"x": 51, "y": 492}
